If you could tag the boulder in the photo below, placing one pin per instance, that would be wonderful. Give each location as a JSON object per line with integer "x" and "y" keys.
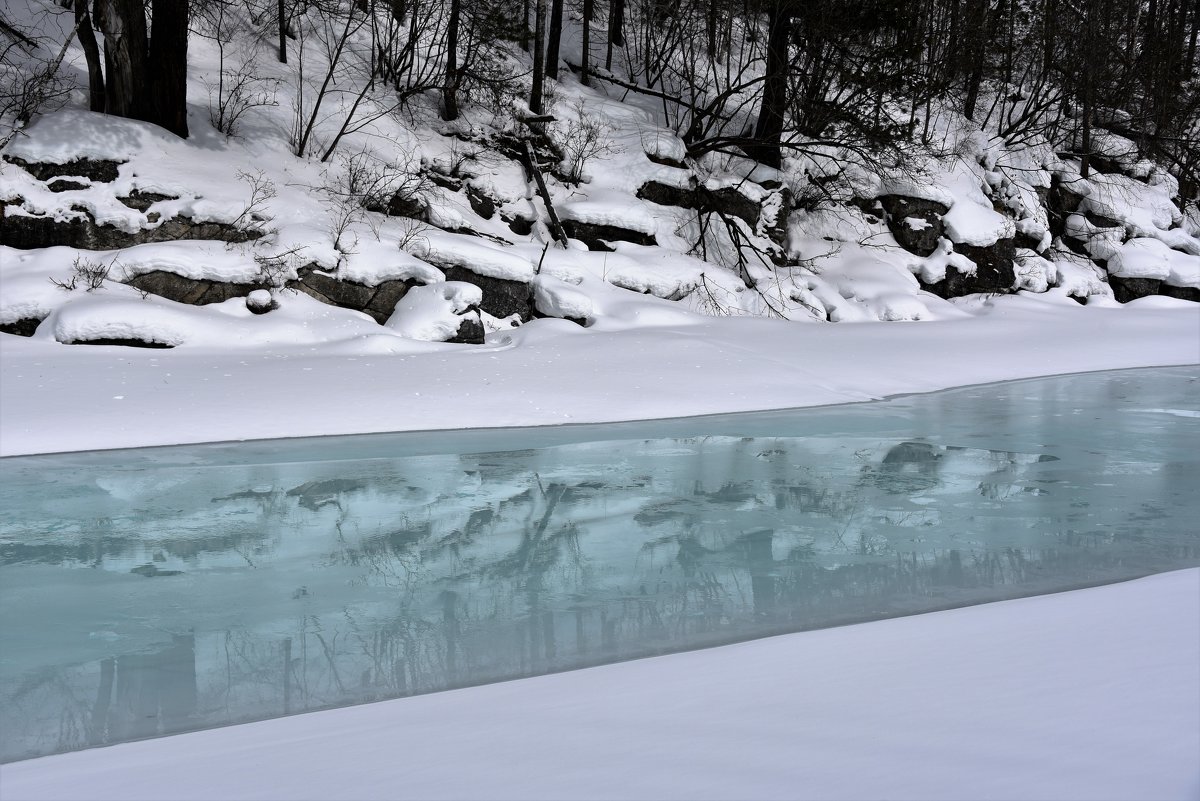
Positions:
{"x": 993, "y": 274}
{"x": 26, "y": 232}
{"x": 501, "y": 297}
{"x": 669, "y": 195}
{"x": 96, "y": 170}
{"x": 25, "y": 327}
{"x": 916, "y": 224}
{"x": 328, "y": 289}
{"x": 193, "y": 291}
{"x": 595, "y": 236}
{"x": 1127, "y": 289}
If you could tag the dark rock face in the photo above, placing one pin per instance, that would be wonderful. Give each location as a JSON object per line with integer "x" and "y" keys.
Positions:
{"x": 595, "y": 236}
{"x": 993, "y": 271}
{"x": 24, "y": 327}
{"x": 481, "y": 204}
{"x": 500, "y": 297}
{"x": 123, "y": 342}
{"x": 667, "y": 162}
{"x": 328, "y": 289}
{"x": 379, "y": 301}
{"x": 727, "y": 201}
{"x": 26, "y": 233}
{"x": 668, "y": 195}
{"x": 923, "y": 239}
{"x": 142, "y": 201}
{"x": 470, "y": 331}
{"x": 1127, "y": 289}
{"x": 1182, "y": 292}
{"x": 1061, "y": 201}
{"x": 65, "y": 185}
{"x": 733, "y": 203}
{"x": 193, "y": 291}
{"x": 97, "y": 170}
{"x": 521, "y": 226}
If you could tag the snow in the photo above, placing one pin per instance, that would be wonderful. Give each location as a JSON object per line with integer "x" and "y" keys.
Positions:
{"x": 1090, "y": 694}
{"x": 477, "y": 255}
{"x": 556, "y": 298}
{"x": 1151, "y": 258}
{"x": 238, "y": 375}
{"x": 434, "y": 312}
{"x": 971, "y": 219}
{"x": 615, "y": 210}
{"x": 1086, "y": 694}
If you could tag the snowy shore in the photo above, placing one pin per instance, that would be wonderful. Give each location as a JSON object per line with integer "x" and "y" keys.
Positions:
{"x": 650, "y": 360}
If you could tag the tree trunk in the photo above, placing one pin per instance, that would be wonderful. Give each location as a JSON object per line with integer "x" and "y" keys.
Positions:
{"x": 282, "y": 33}
{"x": 769, "y": 129}
{"x": 91, "y": 52}
{"x": 167, "y": 65}
{"x": 977, "y": 21}
{"x": 123, "y": 23}
{"x": 589, "y": 12}
{"x": 539, "y": 56}
{"x": 450, "y": 88}
{"x": 145, "y": 77}
{"x": 555, "y": 38}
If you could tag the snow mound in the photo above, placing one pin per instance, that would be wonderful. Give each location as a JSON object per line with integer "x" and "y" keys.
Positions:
{"x": 971, "y": 219}
{"x": 1141, "y": 258}
{"x": 474, "y": 254}
{"x": 932, "y": 268}
{"x": 1146, "y": 209}
{"x": 617, "y": 211}
{"x": 434, "y": 312}
{"x": 554, "y": 297}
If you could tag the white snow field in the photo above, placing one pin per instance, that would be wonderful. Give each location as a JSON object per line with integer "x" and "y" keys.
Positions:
{"x": 307, "y": 369}
{"x": 1087, "y": 694}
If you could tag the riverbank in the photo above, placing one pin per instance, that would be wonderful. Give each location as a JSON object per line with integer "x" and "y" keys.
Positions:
{"x": 657, "y": 362}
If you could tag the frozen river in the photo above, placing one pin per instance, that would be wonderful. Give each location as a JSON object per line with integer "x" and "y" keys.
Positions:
{"x": 147, "y": 592}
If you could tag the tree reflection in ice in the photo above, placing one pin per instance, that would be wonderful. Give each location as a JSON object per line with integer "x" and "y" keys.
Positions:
{"x": 162, "y": 591}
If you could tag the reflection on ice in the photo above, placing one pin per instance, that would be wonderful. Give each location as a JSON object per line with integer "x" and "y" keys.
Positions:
{"x": 159, "y": 591}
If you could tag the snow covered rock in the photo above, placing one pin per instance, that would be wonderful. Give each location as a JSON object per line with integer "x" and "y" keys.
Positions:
{"x": 442, "y": 312}
{"x": 501, "y": 298}
{"x": 597, "y": 222}
{"x": 260, "y": 301}
{"x": 557, "y": 298}
{"x": 916, "y": 223}
{"x": 1145, "y": 266}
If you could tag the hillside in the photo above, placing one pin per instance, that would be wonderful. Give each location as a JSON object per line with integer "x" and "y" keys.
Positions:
{"x": 327, "y": 206}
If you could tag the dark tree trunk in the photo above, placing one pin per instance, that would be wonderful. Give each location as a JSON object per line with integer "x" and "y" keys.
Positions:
{"x": 525, "y": 25}
{"x": 769, "y": 130}
{"x": 450, "y": 89}
{"x": 976, "y": 39}
{"x": 589, "y": 13}
{"x": 282, "y": 33}
{"x": 539, "y": 56}
{"x": 145, "y": 78}
{"x": 616, "y": 26}
{"x": 123, "y": 23}
{"x": 167, "y": 65}
{"x": 91, "y": 51}
{"x": 555, "y": 38}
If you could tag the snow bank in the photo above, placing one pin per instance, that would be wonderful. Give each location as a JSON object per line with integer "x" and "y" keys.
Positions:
{"x": 618, "y": 211}
{"x": 434, "y": 312}
{"x": 474, "y": 254}
{"x": 556, "y": 298}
